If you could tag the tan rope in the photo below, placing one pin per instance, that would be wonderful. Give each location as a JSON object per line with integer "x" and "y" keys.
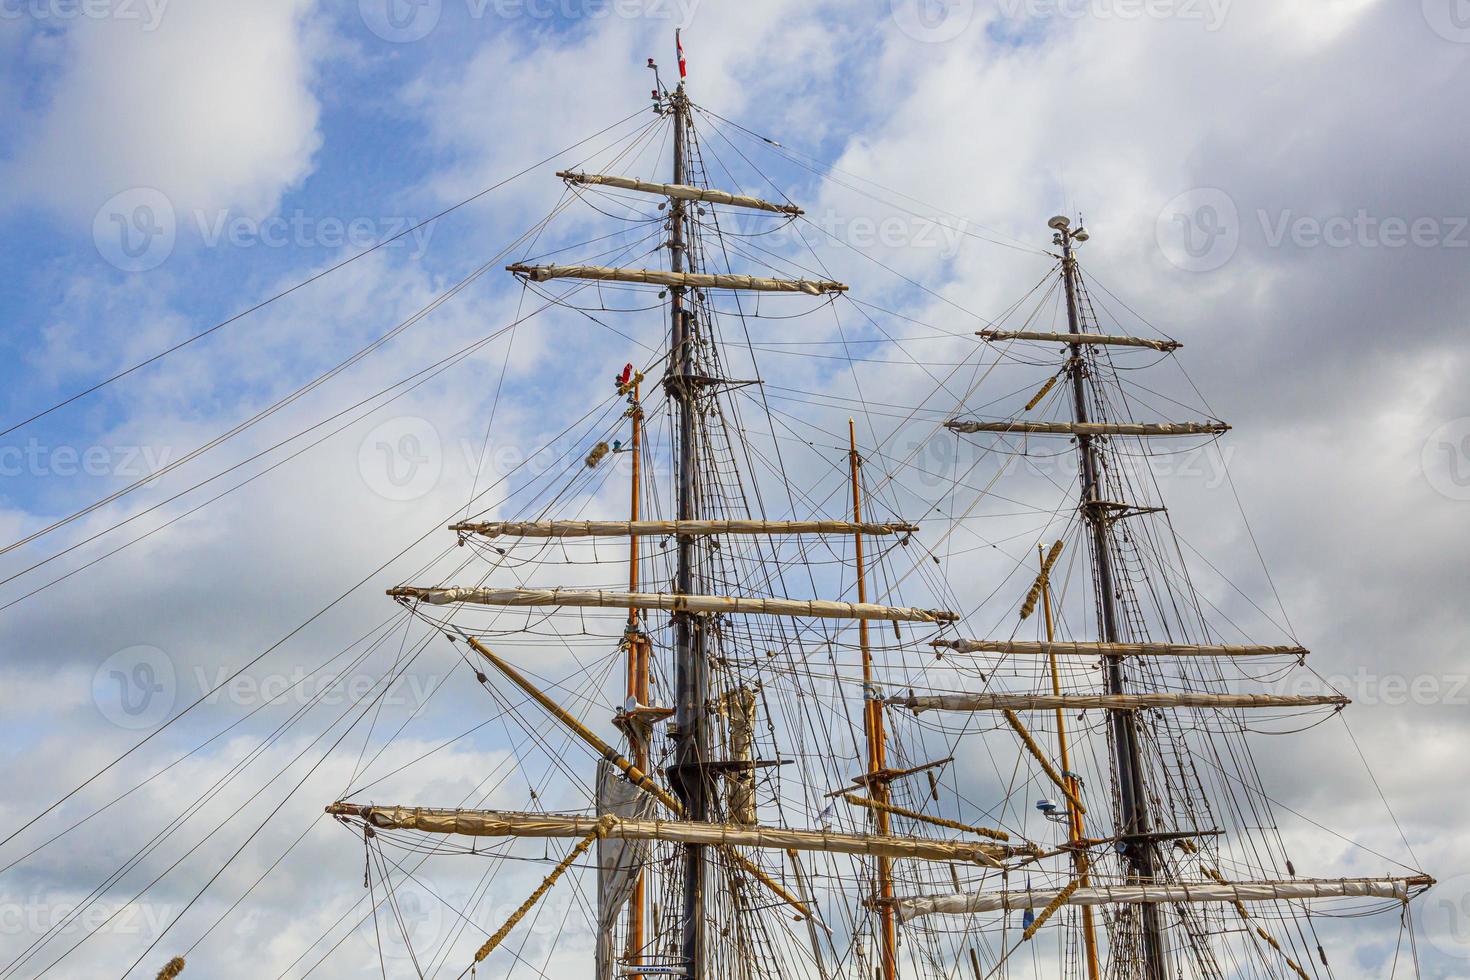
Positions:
{"x": 1046, "y": 765}
{"x": 1052, "y": 906}
{"x": 542, "y": 889}
{"x": 1270, "y": 940}
{"x": 1036, "y": 398}
{"x": 856, "y": 800}
{"x": 1029, "y": 606}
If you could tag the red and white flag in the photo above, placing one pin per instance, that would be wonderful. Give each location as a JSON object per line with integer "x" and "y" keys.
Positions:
{"x": 683, "y": 66}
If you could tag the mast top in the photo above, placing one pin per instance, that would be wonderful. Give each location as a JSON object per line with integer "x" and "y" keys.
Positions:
{"x": 1065, "y": 236}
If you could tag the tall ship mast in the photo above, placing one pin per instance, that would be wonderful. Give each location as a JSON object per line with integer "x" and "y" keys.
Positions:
{"x": 807, "y": 775}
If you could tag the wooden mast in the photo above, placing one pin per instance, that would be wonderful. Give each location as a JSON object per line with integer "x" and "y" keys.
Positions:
{"x": 637, "y": 674}
{"x": 873, "y": 729}
{"x": 1128, "y": 759}
{"x": 1076, "y": 832}
{"x": 691, "y": 672}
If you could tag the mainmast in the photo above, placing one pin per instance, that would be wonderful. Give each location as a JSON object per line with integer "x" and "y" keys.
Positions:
{"x": 691, "y": 674}
{"x": 1134, "y": 822}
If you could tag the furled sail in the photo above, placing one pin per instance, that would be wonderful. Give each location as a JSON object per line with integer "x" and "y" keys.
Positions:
{"x": 1068, "y": 649}
{"x": 1153, "y": 894}
{"x": 693, "y": 280}
{"x": 1096, "y": 339}
{"x": 1112, "y": 702}
{"x": 610, "y": 529}
{"x": 814, "y": 608}
{"x": 502, "y": 823}
{"x": 679, "y": 192}
{"x": 1092, "y": 428}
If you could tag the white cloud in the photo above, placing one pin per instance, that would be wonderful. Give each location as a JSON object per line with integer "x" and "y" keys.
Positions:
{"x": 211, "y": 105}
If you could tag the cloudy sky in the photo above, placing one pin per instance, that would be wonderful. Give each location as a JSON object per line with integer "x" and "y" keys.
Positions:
{"x": 1279, "y": 184}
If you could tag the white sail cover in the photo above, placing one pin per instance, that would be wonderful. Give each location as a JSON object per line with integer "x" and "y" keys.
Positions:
{"x": 681, "y": 192}
{"x": 1201, "y": 892}
{"x": 815, "y": 608}
{"x": 610, "y": 529}
{"x": 1092, "y": 428}
{"x": 1096, "y": 339}
{"x": 1113, "y": 702}
{"x": 618, "y": 860}
{"x": 1071, "y": 649}
{"x": 503, "y": 823}
{"x": 694, "y": 280}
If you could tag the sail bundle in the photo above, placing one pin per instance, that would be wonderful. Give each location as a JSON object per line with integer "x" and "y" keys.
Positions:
{"x": 1398, "y": 889}
{"x": 1113, "y": 702}
{"x": 673, "y": 602}
{"x": 613, "y": 529}
{"x": 679, "y": 192}
{"x": 1070, "y": 649}
{"x": 1092, "y": 339}
{"x": 502, "y": 823}
{"x": 690, "y": 280}
{"x": 1091, "y": 428}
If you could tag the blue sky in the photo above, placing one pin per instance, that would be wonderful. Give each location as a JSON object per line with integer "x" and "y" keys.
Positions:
{"x": 271, "y": 141}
